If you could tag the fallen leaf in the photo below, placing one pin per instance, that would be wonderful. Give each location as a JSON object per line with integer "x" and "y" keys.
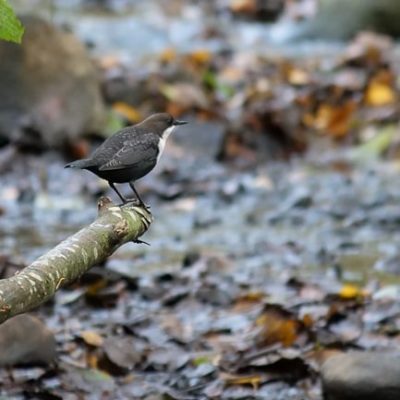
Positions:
{"x": 336, "y": 120}
{"x": 243, "y": 6}
{"x": 277, "y": 327}
{"x": 92, "y": 338}
{"x": 125, "y": 352}
{"x": 248, "y": 301}
{"x": 92, "y": 360}
{"x": 127, "y": 111}
{"x": 253, "y": 380}
{"x": 379, "y": 94}
{"x": 350, "y": 292}
{"x": 79, "y": 148}
{"x": 168, "y": 55}
{"x": 185, "y": 94}
{"x": 295, "y": 75}
{"x": 201, "y": 56}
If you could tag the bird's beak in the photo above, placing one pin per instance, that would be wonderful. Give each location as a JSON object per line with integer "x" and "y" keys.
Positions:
{"x": 177, "y": 122}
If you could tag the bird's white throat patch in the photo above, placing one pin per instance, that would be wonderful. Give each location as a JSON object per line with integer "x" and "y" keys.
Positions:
{"x": 163, "y": 140}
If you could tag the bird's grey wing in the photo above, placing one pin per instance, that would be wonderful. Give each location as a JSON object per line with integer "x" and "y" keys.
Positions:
{"x": 133, "y": 152}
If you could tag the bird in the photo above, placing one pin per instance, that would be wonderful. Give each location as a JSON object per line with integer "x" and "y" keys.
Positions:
{"x": 131, "y": 153}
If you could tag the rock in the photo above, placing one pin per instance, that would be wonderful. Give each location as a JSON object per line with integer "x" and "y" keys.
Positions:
{"x": 257, "y": 9}
{"x": 332, "y": 23}
{"x": 50, "y": 91}
{"x": 24, "y": 339}
{"x": 362, "y": 375}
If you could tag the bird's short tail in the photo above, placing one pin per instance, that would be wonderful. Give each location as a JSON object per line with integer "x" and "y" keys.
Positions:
{"x": 79, "y": 164}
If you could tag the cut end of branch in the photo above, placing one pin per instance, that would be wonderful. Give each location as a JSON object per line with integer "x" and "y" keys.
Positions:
{"x": 104, "y": 204}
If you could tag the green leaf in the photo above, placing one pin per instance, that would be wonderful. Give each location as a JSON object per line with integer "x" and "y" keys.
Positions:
{"x": 10, "y": 27}
{"x": 376, "y": 146}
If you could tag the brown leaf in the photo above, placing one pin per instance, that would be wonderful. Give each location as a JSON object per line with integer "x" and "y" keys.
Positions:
{"x": 248, "y": 301}
{"x": 335, "y": 120}
{"x": 79, "y": 149}
{"x": 243, "y": 6}
{"x": 295, "y": 75}
{"x": 186, "y": 95}
{"x": 124, "y": 352}
{"x": 277, "y": 327}
{"x": 92, "y": 338}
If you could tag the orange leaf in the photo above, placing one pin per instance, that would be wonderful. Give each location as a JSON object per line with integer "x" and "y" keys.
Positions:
{"x": 277, "y": 328}
{"x": 127, "y": 111}
{"x": 334, "y": 119}
{"x": 308, "y": 320}
{"x": 200, "y": 56}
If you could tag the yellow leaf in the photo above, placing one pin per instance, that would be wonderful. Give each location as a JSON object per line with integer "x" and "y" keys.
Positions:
{"x": 127, "y": 111}
{"x": 379, "y": 94}
{"x": 349, "y": 292}
{"x": 253, "y": 380}
{"x": 92, "y": 338}
{"x": 168, "y": 55}
{"x": 200, "y": 56}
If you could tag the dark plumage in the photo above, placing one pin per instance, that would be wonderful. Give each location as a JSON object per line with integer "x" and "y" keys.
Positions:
{"x": 131, "y": 153}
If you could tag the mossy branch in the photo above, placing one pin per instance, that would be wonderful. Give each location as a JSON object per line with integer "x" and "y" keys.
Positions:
{"x": 114, "y": 226}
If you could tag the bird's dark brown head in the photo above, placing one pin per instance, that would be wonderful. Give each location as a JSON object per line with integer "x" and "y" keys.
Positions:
{"x": 159, "y": 123}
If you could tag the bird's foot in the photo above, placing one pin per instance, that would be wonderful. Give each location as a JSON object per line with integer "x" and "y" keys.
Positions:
{"x": 135, "y": 202}
{"x": 139, "y": 203}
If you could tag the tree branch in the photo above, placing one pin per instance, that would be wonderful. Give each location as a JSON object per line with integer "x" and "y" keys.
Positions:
{"x": 114, "y": 226}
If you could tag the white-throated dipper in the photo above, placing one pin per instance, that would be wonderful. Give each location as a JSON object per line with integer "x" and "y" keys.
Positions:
{"x": 131, "y": 153}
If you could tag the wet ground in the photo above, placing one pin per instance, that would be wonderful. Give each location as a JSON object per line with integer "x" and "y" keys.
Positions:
{"x": 313, "y": 244}
{"x": 253, "y": 273}
{"x": 201, "y": 205}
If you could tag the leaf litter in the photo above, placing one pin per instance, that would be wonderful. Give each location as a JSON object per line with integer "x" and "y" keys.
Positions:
{"x": 256, "y": 271}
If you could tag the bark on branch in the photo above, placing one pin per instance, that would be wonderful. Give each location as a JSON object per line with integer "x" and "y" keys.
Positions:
{"x": 114, "y": 226}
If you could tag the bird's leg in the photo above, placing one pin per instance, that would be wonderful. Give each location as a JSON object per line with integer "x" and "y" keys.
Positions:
{"x": 112, "y": 186}
{"x": 137, "y": 195}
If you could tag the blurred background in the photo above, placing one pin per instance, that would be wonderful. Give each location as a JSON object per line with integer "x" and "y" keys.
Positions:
{"x": 276, "y": 208}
